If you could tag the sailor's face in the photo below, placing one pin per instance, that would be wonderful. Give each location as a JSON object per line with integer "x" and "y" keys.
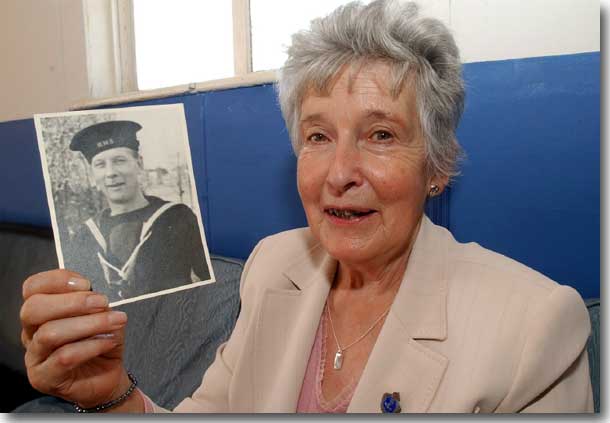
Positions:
{"x": 116, "y": 174}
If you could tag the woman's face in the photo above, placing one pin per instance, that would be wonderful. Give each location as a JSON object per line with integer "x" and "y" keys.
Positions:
{"x": 361, "y": 171}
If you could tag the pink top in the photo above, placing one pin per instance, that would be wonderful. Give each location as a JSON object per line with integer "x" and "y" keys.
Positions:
{"x": 148, "y": 404}
{"x": 312, "y": 399}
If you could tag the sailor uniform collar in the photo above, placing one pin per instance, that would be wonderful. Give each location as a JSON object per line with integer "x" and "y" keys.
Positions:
{"x": 126, "y": 270}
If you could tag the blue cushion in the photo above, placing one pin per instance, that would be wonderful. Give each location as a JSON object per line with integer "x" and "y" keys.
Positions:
{"x": 171, "y": 340}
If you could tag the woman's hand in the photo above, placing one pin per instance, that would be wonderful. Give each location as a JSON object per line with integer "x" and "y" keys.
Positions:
{"x": 73, "y": 341}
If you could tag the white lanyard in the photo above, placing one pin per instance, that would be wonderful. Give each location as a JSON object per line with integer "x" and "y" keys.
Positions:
{"x": 145, "y": 233}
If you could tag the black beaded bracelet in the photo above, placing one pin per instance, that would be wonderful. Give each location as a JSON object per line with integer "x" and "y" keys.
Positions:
{"x": 112, "y": 403}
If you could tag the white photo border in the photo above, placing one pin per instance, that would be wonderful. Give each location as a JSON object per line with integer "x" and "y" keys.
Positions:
{"x": 179, "y": 108}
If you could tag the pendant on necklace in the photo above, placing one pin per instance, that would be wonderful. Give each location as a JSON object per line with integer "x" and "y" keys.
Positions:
{"x": 338, "y": 360}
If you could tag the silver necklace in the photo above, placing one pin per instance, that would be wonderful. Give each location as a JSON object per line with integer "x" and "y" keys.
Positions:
{"x": 338, "y": 363}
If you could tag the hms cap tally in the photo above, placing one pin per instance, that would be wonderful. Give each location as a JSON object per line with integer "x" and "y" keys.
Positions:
{"x": 106, "y": 135}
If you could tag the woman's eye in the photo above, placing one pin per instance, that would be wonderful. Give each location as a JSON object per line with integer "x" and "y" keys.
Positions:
{"x": 317, "y": 137}
{"x": 382, "y": 136}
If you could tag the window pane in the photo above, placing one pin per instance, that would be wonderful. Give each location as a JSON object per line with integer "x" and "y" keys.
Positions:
{"x": 273, "y": 22}
{"x": 182, "y": 41}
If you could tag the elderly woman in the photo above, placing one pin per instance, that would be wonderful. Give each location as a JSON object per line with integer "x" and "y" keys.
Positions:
{"x": 372, "y": 307}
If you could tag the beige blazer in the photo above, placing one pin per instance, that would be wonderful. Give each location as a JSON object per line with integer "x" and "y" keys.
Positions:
{"x": 469, "y": 331}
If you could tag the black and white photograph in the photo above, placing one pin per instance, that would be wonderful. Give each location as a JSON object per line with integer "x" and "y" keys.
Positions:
{"x": 123, "y": 201}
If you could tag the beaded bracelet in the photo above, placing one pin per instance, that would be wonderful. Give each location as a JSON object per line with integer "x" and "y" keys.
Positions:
{"x": 112, "y": 403}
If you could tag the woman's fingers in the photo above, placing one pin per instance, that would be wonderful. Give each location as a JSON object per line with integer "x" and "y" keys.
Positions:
{"x": 37, "y": 310}
{"x": 53, "y": 335}
{"x": 54, "y": 375}
{"x": 56, "y": 281}
{"x": 73, "y": 341}
{"x": 41, "y": 308}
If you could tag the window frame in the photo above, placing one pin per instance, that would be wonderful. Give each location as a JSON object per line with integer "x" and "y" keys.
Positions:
{"x": 109, "y": 30}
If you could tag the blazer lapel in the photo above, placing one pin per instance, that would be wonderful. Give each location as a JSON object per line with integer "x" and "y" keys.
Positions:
{"x": 398, "y": 363}
{"x": 283, "y": 344}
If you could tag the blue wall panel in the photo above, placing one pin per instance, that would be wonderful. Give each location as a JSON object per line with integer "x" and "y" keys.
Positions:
{"x": 23, "y": 198}
{"x": 530, "y": 185}
{"x": 252, "y": 169}
{"x": 529, "y": 189}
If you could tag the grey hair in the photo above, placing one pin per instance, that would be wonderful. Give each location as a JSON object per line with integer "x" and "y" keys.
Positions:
{"x": 390, "y": 31}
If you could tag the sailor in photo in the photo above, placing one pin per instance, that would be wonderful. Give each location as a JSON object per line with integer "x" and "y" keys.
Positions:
{"x": 141, "y": 243}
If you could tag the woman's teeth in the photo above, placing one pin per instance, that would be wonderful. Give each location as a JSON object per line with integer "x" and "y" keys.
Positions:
{"x": 347, "y": 214}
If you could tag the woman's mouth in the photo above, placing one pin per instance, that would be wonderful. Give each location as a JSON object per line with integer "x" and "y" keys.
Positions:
{"x": 348, "y": 214}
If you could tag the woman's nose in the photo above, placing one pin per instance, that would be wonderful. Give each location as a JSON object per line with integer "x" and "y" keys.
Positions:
{"x": 345, "y": 167}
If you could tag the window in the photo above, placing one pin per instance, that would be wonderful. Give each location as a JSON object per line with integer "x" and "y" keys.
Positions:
{"x": 140, "y": 49}
{"x": 182, "y": 41}
{"x": 185, "y": 41}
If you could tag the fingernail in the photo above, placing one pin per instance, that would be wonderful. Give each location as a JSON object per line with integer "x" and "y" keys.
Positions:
{"x": 97, "y": 301}
{"x": 117, "y": 317}
{"x": 79, "y": 284}
{"x": 104, "y": 336}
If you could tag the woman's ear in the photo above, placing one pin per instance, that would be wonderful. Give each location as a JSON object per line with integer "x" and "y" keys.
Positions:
{"x": 437, "y": 185}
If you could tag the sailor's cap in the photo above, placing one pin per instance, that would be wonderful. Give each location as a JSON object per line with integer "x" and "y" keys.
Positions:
{"x": 106, "y": 135}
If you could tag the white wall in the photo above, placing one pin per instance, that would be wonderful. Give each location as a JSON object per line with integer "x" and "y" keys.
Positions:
{"x": 44, "y": 65}
{"x": 43, "y": 44}
{"x": 508, "y": 29}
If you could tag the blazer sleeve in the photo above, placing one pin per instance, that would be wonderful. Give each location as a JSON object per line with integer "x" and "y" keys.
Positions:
{"x": 212, "y": 396}
{"x": 553, "y": 371}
